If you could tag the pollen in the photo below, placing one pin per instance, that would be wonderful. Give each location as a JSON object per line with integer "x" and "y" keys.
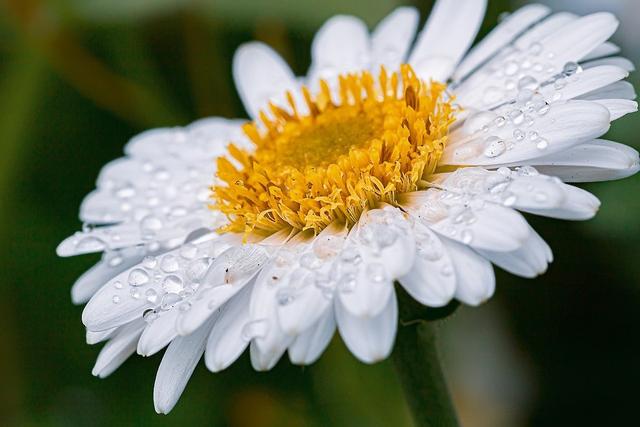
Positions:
{"x": 329, "y": 158}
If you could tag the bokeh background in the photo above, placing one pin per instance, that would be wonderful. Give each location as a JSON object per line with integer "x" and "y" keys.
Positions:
{"x": 78, "y": 78}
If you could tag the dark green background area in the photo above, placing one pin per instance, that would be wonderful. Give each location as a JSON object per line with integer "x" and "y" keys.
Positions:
{"x": 78, "y": 78}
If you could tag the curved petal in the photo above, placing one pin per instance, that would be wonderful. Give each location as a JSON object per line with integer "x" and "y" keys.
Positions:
{"x": 598, "y": 160}
{"x": 529, "y": 261}
{"x": 226, "y": 342}
{"x": 178, "y": 363}
{"x": 369, "y": 339}
{"x": 475, "y": 279}
{"x": 392, "y": 37}
{"x": 432, "y": 279}
{"x": 118, "y": 349}
{"x": 500, "y": 37}
{"x": 308, "y": 346}
{"x": 261, "y": 76}
{"x": 438, "y": 48}
{"x": 341, "y": 46}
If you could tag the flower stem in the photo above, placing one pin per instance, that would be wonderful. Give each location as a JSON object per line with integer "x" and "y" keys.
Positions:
{"x": 418, "y": 367}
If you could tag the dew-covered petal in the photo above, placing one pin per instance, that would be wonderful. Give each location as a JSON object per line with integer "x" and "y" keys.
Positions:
{"x": 500, "y": 37}
{"x": 475, "y": 281}
{"x": 118, "y": 349}
{"x": 501, "y": 79}
{"x": 431, "y": 280}
{"x": 383, "y": 240}
{"x": 112, "y": 264}
{"x": 228, "y": 274}
{"x": 226, "y": 341}
{"x": 529, "y": 261}
{"x": 200, "y": 142}
{"x": 438, "y": 49}
{"x": 308, "y": 346}
{"x": 158, "y": 282}
{"x": 598, "y": 160}
{"x": 468, "y": 219}
{"x": 269, "y": 342}
{"x": 392, "y": 37}
{"x": 178, "y": 363}
{"x": 261, "y": 76}
{"x": 526, "y": 138}
{"x": 370, "y": 339}
{"x": 584, "y": 82}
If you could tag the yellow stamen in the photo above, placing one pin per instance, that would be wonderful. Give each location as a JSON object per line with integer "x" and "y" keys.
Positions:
{"x": 337, "y": 159}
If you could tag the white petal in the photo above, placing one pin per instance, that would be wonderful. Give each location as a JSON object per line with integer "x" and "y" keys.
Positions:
{"x": 269, "y": 340}
{"x": 565, "y": 125}
{"x": 432, "y": 279}
{"x": 228, "y": 274}
{"x": 475, "y": 279}
{"x": 226, "y": 343}
{"x": 341, "y": 46}
{"x": 496, "y": 83}
{"x": 578, "y": 205}
{"x": 201, "y": 141}
{"x": 118, "y": 349}
{"x": 605, "y": 49}
{"x": 114, "y": 304}
{"x": 617, "y": 90}
{"x": 176, "y": 368}
{"x": 480, "y": 224}
{"x": 309, "y": 345}
{"x": 500, "y": 36}
{"x": 548, "y": 26}
{"x": 369, "y": 339}
{"x": 448, "y": 33}
{"x": 617, "y": 61}
{"x": 112, "y": 264}
{"x": 261, "y": 75}
{"x": 587, "y": 81}
{"x": 391, "y": 39}
{"x": 618, "y": 107}
{"x": 598, "y": 160}
{"x": 529, "y": 261}
{"x": 158, "y": 334}
{"x": 387, "y": 249}
{"x": 96, "y": 337}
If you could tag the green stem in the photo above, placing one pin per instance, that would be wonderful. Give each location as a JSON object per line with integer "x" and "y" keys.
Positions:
{"x": 418, "y": 367}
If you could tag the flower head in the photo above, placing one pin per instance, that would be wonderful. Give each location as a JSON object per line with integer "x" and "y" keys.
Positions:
{"x": 391, "y": 161}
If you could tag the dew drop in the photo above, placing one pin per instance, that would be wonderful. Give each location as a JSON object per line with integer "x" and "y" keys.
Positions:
{"x": 116, "y": 299}
{"x": 169, "y": 300}
{"x": 172, "y": 284}
{"x": 149, "y": 262}
{"x": 169, "y": 264}
{"x": 138, "y": 277}
{"x": 151, "y": 295}
{"x": 189, "y": 251}
{"x": 494, "y": 147}
{"x": 197, "y": 269}
{"x": 542, "y": 144}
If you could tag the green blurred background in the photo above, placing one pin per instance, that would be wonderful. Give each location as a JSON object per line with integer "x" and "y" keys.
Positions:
{"x": 78, "y": 78}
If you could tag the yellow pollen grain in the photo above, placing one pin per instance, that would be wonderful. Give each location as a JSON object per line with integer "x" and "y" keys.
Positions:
{"x": 329, "y": 159}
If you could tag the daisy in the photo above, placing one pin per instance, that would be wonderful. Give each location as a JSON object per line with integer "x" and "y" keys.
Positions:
{"x": 393, "y": 160}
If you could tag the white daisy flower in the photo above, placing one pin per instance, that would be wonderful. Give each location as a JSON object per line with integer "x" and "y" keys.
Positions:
{"x": 393, "y": 160}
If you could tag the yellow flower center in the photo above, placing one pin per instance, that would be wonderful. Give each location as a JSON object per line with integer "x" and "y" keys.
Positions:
{"x": 337, "y": 159}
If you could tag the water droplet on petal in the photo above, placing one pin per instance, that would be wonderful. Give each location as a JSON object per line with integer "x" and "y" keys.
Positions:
{"x": 138, "y": 277}
{"x": 151, "y": 295}
{"x": 494, "y": 147}
{"x": 115, "y": 299}
{"x": 172, "y": 284}
{"x": 169, "y": 264}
